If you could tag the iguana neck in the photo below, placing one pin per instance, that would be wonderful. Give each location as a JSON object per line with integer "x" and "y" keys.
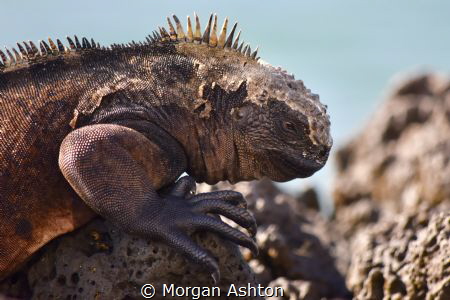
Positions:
{"x": 212, "y": 154}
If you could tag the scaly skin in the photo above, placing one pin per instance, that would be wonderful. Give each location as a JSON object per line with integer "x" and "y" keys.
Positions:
{"x": 105, "y": 131}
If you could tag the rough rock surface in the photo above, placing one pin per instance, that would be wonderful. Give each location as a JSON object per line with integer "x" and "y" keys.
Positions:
{"x": 392, "y": 196}
{"x": 403, "y": 259}
{"x": 296, "y": 243}
{"x": 401, "y": 157}
{"x": 100, "y": 262}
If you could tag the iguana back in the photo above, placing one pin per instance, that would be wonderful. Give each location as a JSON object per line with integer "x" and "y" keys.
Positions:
{"x": 36, "y": 202}
{"x": 42, "y": 98}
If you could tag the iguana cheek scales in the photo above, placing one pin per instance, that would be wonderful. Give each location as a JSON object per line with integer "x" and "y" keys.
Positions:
{"x": 88, "y": 130}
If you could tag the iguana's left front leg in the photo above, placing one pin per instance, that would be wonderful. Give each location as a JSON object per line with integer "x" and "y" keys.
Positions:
{"x": 117, "y": 171}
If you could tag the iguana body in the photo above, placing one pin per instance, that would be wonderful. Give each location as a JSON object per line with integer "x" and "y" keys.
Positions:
{"x": 102, "y": 130}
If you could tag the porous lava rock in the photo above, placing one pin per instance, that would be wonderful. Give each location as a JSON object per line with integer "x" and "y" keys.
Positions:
{"x": 296, "y": 243}
{"x": 392, "y": 196}
{"x": 401, "y": 158}
{"x": 99, "y": 261}
{"x": 404, "y": 259}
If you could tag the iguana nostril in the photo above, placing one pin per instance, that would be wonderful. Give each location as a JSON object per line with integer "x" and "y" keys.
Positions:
{"x": 324, "y": 151}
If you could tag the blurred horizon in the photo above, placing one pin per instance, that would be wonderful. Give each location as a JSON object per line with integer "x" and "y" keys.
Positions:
{"x": 346, "y": 51}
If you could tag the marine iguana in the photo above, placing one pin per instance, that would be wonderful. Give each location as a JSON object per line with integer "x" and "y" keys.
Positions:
{"x": 88, "y": 130}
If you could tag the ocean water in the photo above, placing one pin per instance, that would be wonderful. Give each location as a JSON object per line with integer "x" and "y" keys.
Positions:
{"x": 346, "y": 51}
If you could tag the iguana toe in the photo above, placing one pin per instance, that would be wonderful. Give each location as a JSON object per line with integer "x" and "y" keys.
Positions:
{"x": 182, "y": 243}
{"x": 235, "y": 213}
{"x": 231, "y": 197}
{"x": 209, "y": 223}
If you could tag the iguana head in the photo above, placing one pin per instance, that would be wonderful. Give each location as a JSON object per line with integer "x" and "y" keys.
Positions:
{"x": 280, "y": 129}
{"x": 283, "y": 124}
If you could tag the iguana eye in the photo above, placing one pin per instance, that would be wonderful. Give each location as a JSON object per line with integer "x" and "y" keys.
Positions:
{"x": 289, "y": 126}
{"x": 240, "y": 113}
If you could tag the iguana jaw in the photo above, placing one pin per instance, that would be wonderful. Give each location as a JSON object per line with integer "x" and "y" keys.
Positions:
{"x": 298, "y": 167}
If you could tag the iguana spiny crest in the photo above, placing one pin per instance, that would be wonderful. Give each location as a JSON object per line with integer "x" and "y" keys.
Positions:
{"x": 29, "y": 52}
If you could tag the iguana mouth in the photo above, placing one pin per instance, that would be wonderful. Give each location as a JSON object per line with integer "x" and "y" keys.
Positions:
{"x": 299, "y": 167}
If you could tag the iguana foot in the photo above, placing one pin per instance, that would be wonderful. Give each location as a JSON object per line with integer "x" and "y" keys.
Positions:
{"x": 121, "y": 187}
{"x": 185, "y": 212}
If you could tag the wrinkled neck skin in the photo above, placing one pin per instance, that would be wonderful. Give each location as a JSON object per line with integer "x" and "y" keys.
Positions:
{"x": 217, "y": 156}
{"x": 213, "y": 155}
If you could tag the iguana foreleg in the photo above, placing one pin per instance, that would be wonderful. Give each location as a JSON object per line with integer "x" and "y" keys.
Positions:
{"x": 117, "y": 171}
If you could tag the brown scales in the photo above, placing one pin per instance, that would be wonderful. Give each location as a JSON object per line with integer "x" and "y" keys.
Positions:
{"x": 28, "y": 52}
